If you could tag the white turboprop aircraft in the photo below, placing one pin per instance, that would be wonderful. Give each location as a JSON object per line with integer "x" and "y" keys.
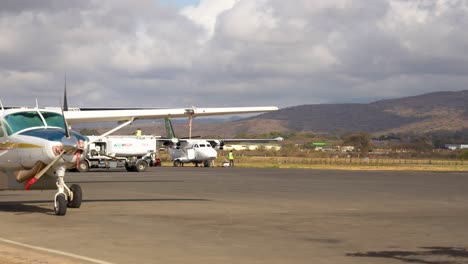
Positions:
{"x": 37, "y": 147}
{"x": 197, "y": 151}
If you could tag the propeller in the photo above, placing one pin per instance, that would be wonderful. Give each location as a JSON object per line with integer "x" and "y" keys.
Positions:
{"x": 65, "y": 101}
{"x": 36, "y": 177}
{"x": 70, "y": 145}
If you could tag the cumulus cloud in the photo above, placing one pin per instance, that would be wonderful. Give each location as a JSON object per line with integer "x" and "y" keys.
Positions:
{"x": 230, "y": 52}
{"x": 206, "y": 13}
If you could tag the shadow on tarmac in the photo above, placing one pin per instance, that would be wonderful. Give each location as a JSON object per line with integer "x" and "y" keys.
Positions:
{"x": 429, "y": 255}
{"x": 149, "y": 200}
{"x": 113, "y": 181}
{"x": 29, "y": 207}
{"x": 24, "y": 207}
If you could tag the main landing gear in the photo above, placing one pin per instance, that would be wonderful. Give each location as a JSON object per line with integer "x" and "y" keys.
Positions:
{"x": 66, "y": 197}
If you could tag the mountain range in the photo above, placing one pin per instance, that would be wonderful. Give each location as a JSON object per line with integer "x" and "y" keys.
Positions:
{"x": 437, "y": 111}
{"x": 426, "y": 113}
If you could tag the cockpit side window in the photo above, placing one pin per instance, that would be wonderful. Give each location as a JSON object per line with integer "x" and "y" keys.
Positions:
{"x": 7, "y": 129}
{"x": 53, "y": 119}
{"x": 1, "y": 130}
{"x": 22, "y": 120}
{"x": 195, "y": 146}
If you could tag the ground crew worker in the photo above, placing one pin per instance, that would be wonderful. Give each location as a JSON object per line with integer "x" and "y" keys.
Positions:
{"x": 231, "y": 159}
{"x": 138, "y": 132}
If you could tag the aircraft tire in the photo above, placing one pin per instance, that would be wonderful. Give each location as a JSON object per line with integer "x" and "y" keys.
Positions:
{"x": 206, "y": 163}
{"x": 61, "y": 208}
{"x": 77, "y": 196}
{"x": 83, "y": 166}
{"x": 176, "y": 163}
{"x": 141, "y": 165}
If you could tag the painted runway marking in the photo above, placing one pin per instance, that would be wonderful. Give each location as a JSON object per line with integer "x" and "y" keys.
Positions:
{"x": 57, "y": 252}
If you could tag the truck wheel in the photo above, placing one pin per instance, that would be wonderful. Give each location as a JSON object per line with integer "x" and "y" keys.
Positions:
{"x": 83, "y": 166}
{"x": 141, "y": 165}
{"x": 130, "y": 168}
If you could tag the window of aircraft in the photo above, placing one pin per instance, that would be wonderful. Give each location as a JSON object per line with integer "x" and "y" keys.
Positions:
{"x": 202, "y": 145}
{"x": 18, "y": 121}
{"x": 53, "y": 119}
{"x": 22, "y": 120}
{"x": 7, "y": 128}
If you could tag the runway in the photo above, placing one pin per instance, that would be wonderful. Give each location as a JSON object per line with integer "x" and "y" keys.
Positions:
{"x": 237, "y": 215}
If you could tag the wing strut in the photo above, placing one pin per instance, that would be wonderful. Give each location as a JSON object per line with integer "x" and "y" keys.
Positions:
{"x": 114, "y": 129}
{"x": 190, "y": 125}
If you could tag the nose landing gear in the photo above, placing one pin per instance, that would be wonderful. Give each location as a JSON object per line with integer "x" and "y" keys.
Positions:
{"x": 66, "y": 197}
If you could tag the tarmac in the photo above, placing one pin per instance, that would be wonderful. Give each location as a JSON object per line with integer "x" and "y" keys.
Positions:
{"x": 240, "y": 215}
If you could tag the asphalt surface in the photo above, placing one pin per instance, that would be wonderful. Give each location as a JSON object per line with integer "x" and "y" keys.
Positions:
{"x": 236, "y": 215}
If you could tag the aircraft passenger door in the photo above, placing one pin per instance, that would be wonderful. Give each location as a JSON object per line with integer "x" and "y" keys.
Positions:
{"x": 191, "y": 152}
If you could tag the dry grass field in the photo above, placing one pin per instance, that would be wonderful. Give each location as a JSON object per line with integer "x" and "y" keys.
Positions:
{"x": 353, "y": 164}
{"x": 343, "y": 163}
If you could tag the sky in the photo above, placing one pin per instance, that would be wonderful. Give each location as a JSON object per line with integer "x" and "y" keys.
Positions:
{"x": 219, "y": 53}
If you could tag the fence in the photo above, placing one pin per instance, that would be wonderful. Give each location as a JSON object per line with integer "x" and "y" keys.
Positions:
{"x": 350, "y": 161}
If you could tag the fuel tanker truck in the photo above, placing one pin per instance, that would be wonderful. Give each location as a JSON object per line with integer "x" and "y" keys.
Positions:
{"x": 135, "y": 153}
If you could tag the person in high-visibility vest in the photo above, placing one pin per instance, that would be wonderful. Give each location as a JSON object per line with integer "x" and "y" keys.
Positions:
{"x": 231, "y": 159}
{"x": 138, "y": 132}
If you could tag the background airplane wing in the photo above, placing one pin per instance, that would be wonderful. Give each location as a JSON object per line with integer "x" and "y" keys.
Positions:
{"x": 259, "y": 140}
{"x": 171, "y": 141}
{"x": 89, "y": 116}
{"x": 240, "y": 140}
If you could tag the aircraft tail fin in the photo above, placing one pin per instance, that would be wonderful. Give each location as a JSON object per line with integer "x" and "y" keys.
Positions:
{"x": 169, "y": 129}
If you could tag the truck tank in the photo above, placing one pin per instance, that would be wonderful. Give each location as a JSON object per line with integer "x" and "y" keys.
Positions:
{"x": 135, "y": 153}
{"x": 130, "y": 146}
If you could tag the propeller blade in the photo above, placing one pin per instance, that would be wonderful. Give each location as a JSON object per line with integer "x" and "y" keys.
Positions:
{"x": 43, "y": 171}
{"x": 65, "y": 101}
{"x": 65, "y": 123}
{"x": 65, "y": 108}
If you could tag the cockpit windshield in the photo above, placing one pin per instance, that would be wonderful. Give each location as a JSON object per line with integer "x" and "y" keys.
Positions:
{"x": 28, "y": 119}
{"x": 53, "y": 119}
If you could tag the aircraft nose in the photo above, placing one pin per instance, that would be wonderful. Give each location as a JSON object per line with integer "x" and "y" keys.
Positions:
{"x": 212, "y": 154}
{"x": 206, "y": 154}
{"x": 71, "y": 144}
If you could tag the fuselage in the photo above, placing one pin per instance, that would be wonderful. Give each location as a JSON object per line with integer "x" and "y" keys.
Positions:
{"x": 28, "y": 136}
{"x": 192, "y": 150}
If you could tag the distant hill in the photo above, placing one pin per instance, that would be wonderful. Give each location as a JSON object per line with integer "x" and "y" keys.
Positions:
{"x": 438, "y": 111}
{"x": 423, "y": 113}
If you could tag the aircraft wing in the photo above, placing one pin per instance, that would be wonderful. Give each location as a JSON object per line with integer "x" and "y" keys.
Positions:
{"x": 170, "y": 141}
{"x": 235, "y": 140}
{"x": 90, "y": 116}
{"x": 246, "y": 140}
{"x": 219, "y": 142}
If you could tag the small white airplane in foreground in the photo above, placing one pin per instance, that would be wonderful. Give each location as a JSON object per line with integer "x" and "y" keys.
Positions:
{"x": 198, "y": 151}
{"x": 37, "y": 147}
